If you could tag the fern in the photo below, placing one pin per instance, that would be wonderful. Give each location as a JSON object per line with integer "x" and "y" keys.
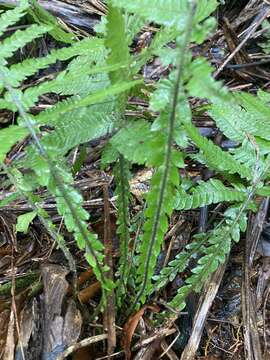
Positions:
{"x": 154, "y": 10}
{"x": 179, "y": 263}
{"x": 29, "y": 67}
{"x": 49, "y": 172}
{"x": 10, "y": 17}
{"x": 247, "y": 115}
{"x": 206, "y": 193}
{"x": 214, "y": 157}
{"x": 159, "y": 200}
{"x": 219, "y": 245}
{"x": 19, "y": 39}
{"x": 9, "y": 137}
{"x": 99, "y": 75}
{"x": 121, "y": 173}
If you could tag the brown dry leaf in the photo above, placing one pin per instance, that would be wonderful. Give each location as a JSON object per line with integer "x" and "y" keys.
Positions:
{"x": 82, "y": 278}
{"x": 4, "y": 318}
{"x": 10, "y": 342}
{"x": 88, "y": 293}
{"x": 130, "y": 327}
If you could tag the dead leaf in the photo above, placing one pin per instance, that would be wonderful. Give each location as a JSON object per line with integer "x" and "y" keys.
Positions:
{"x": 130, "y": 327}
{"x": 89, "y": 292}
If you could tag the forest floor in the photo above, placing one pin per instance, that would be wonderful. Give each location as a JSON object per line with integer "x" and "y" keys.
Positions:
{"x": 34, "y": 276}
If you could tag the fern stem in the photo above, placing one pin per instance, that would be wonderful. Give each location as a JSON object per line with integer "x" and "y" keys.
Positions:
{"x": 53, "y": 171}
{"x": 164, "y": 179}
{"x": 125, "y": 239}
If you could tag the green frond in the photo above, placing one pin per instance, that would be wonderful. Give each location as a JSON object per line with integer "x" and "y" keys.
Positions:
{"x": 69, "y": 83}
{"x": 215, "y": 254}
{"x": 19, "y": 39}
{"x": 214, "y": 157}
{"x": 176, "y": 10}
{"x": 122, "y": 176}
{"x": 155, "y": 226}
{"x": 238, "y": 120}
{"x": 206, "y": 193}
{"x": 217, "y": 247}
{"x": 179, "y": 263}
{"x": 78, "y": 127}
{"x": 29, "y": 67}
{"x": 11, "y": 17}
{"x": 77, "y": 102}
{"x": 116, "y": 42}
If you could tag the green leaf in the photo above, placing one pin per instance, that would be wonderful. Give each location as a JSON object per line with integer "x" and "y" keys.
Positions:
{"x": 11, "y": 17}
{"x": 23, "y": 221}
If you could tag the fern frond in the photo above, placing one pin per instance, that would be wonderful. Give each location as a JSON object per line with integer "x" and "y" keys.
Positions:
{"x": 138, "y": 144}
{"x": 179, "y": 263}
{"x": 215, "y": 254}
{"x": 19, "y": 39}
{"x": 78, "y": 127}
{"x": 236, "y": 121}
{"x": 116, "y": 41}
{"x": 214, "y": 157}
{"x": 155, "y": 226}
{"x": 70, "y": 83}
{"x": 163, "y": 183}
{"x": 77, "y": 102}
{"x": 29, "y": 67}
{"x": 176, "y": 13}
{"x": 11, "y": 17}
{"x": 122, "y": 175}
{"x": 206, "y": 193}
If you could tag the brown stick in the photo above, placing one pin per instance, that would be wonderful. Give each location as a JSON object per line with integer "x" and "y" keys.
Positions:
{"x": 109, "y": 313}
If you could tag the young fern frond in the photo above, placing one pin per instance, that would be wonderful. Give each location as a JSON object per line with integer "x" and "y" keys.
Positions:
{"x": 159, "y": 203}
{"x": 122, "y": 191}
